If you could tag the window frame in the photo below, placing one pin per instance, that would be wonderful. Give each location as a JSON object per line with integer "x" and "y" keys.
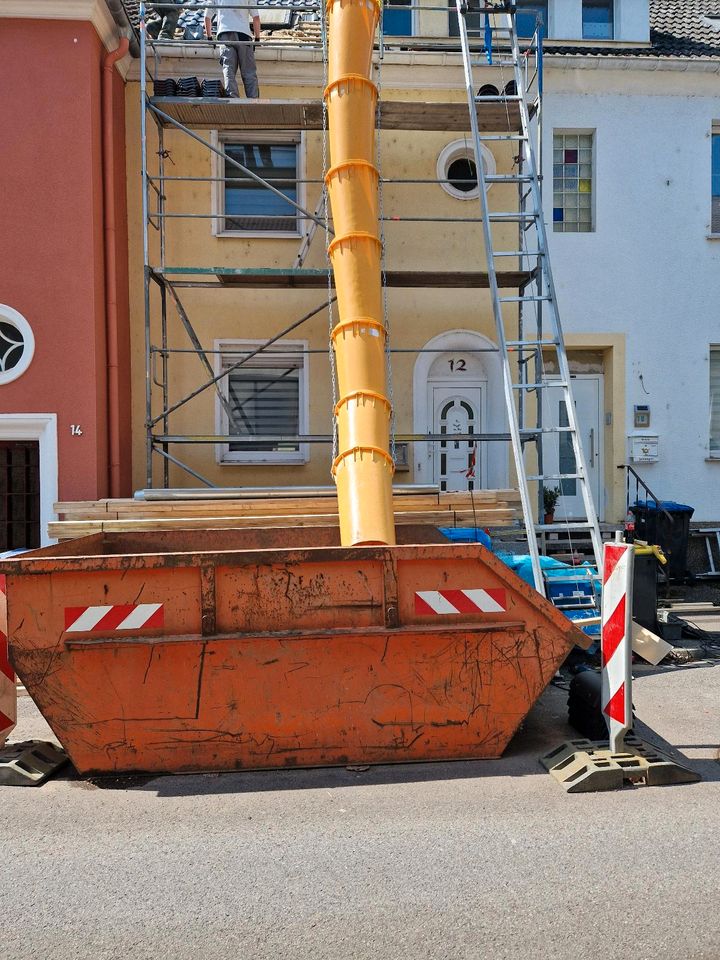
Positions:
{"x": 563, "y": 132}
{"x": 534, "y": 3}
{"x": 264, "y": 138}
{"x": 414, "y": 31}
{"x": 713, "y": 354}
{"x": 714, "y": 139}
{"x": 16, "y": 319}
{"x": 233, "y": 458}
{"x": 611, "y": 4}
{"x": 461, "y": 149}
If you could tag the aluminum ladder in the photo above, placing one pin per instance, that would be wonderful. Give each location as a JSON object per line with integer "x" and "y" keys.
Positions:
{"x": 522, "y": 355}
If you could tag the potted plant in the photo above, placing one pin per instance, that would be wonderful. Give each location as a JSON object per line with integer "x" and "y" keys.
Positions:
{"x": 550, "y": 499}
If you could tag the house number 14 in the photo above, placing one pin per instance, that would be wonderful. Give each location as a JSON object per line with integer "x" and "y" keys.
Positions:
{"x": 457, "y": 366}
{"x": 75, "y": 430}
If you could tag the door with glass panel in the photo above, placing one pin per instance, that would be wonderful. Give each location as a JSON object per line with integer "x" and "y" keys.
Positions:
{"x": 458, "y": 460}
{"x": 558, "y": 454}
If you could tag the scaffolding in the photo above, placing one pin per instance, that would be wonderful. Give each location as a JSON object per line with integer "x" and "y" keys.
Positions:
{"x": 194, "y": 116}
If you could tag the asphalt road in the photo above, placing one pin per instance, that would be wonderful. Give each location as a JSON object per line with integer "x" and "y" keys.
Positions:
{"x": 466, "y": 860}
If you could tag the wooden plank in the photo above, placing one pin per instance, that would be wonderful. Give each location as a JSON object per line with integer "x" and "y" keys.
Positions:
{"x": 80, "y": 528}
{"x": 128, "y": 509}
{"x": 209, "y": 113}
{"x": 405, "y": 279}
{"x": 649, "y": 645}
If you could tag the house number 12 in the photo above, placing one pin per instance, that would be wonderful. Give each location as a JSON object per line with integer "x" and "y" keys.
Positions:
{"x": 457, "y": 366}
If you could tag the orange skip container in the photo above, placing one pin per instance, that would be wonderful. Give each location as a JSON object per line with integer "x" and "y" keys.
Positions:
{"x": 248, "y": 649}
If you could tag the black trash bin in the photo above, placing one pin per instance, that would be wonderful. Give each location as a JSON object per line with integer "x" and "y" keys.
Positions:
{"x": 666, "y": 524}
{"x": 645, "y": 591}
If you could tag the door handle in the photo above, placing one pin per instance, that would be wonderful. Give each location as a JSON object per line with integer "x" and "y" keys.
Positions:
{"x": 592, "y": 446}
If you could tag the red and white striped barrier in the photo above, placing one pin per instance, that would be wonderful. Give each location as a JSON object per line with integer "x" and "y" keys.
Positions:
{"x": 8, "y": 690}
{"x": 616, "y": 641}
{"x": 139, "y": 616}
{"x": 443, "y": 602}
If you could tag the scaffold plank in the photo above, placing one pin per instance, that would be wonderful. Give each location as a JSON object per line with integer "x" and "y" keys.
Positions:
{"x": 210, "y": 114}
{"x": 316, "y": 279}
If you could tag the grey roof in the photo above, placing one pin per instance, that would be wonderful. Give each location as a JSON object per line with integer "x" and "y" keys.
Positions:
{"x": 687, "y": 29}
{"x": 678, "y": 28}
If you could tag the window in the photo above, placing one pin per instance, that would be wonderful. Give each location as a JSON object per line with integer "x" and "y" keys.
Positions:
{"x": 398, "y": 22}
{"x": 715, "y": 401}
{"x": 17, "y": 344}
{"x": 715, "y": 212}
{"x": 529, "y": 13}
{"x": 474, "y": 21}
{"x": 19, "y": 494}
{"x": 249, "y": 207}
{"x": 598, "y": 19}
{"x": 573, "y": 182}
{"x": 526, "y": 19}
{"x": 266, "y": 398}
{"x": 456, "y": 169}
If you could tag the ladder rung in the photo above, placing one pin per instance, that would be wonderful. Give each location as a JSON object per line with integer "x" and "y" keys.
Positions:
{"x": 531, "y": 343}
{"x": 518, "y": 253}
{"x": 512, "y": 217}
{"x": 500, "y": 178}
{"x": 559, "y": 527}
{"x": 536, "y": 431}
{"x": 502, "y": 136}
{"x": 556, "y": 476}
{"x": 537, "y": 386}
{"x": 533, "y": 299}
{"x": 507, "y": 98}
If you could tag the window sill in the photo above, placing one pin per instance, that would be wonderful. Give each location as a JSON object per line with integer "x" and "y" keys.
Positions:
{"x": 291, "y": 460}
{"x": 715, "y": 459}
{"x": 260, "y": 235}
{"x": 712, "y": 236}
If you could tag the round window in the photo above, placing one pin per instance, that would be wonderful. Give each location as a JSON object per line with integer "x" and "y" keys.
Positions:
{"x": 462, "y": 174}
{"x": 457, "y": 172}
{"x": 17, "y": 344}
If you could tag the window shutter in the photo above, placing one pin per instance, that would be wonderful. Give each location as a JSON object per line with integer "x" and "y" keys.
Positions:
{"x": 264, "y": 395}
{"x": 715, "y": 401}
{"x": 715, "y": 170}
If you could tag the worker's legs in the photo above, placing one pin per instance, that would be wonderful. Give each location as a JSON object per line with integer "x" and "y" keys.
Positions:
{"x": 248, "y": 71}
{"x": 170, "y": 22}
{"x": 229, "y": 62}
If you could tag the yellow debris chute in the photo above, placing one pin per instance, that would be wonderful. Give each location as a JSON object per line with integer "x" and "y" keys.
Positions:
{"x": 363, "y": 469}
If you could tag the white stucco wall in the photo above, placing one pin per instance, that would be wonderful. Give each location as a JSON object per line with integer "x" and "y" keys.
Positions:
{"x": 648, "y": 270}
{"x": 632, "y": 20}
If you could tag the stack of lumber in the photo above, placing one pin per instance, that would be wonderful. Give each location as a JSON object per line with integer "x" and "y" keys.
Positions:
{"x": 482, "y": 508}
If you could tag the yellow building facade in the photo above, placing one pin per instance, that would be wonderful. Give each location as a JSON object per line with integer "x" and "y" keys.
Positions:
{"x": 445, "y": 370}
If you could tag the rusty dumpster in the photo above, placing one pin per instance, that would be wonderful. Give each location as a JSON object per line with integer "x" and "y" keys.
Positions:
{"x": 248, "y": 649}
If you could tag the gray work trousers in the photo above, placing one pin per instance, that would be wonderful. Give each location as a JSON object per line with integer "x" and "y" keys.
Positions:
{"x": 164, "y": 28}
{"x": 236, "y": 56}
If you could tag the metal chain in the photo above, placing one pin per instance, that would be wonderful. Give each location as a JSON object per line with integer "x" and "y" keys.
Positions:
{"x": 326, "y": 216}
{"x": 383, "y": 260}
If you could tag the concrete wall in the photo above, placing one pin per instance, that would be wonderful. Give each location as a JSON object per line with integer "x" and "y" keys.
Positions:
{"x": 648, "y": 273}
{"x": 51, "y": 241}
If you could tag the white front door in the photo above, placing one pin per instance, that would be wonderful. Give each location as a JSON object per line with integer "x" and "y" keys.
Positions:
{"x": 457, "y": 463}
{"x": 558, "y": 456}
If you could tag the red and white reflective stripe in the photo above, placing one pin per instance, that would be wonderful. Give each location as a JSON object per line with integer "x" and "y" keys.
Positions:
{"x": 8, "y": 690}
{"x": 616, "y": 641}
{"x": 441, "y": 602}
{"x": 117, "y": 617}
